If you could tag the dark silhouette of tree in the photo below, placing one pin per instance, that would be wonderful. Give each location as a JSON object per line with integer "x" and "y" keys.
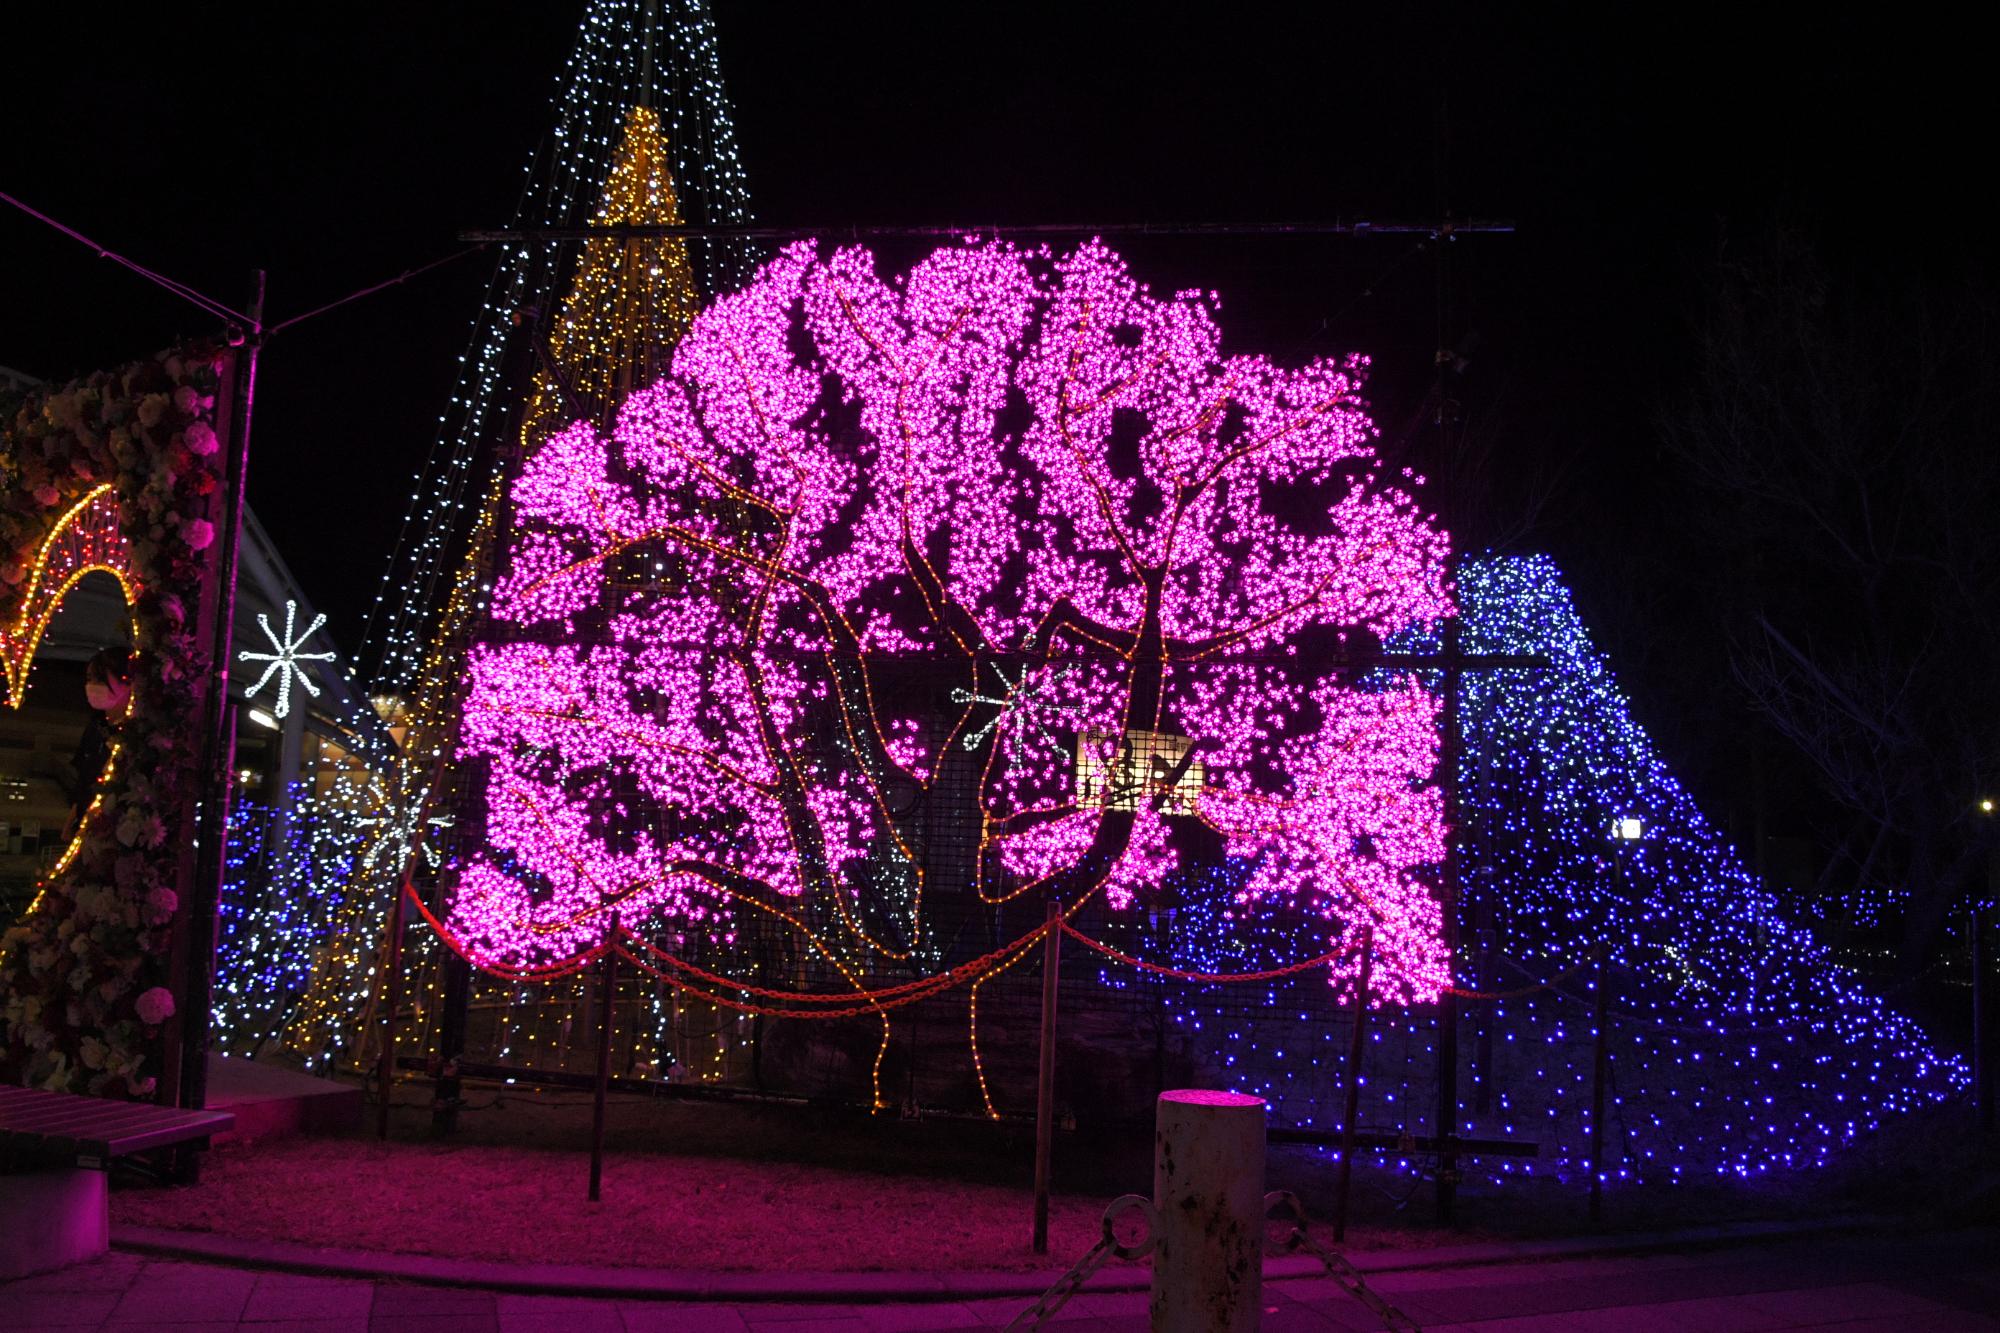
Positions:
{"x": 1841, "y": 437}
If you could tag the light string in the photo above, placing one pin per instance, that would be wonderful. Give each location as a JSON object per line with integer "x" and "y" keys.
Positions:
{"x": 563, "y": 183}
{"x": 180, "y": 289}
{"x": 370, "y": 290}
{"x": 454, "y": 504}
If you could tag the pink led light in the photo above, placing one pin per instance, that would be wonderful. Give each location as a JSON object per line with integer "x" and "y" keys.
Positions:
{"x": 1050, "y": 488}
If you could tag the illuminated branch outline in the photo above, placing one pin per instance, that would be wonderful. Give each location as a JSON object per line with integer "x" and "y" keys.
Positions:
{"x": 1003, "y": 464}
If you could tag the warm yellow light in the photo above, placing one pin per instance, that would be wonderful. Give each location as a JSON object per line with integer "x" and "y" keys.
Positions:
{"x": 632, "y": 297}
{"x": 76, "y": 839}
{"x": 629, "y": 303}
{"x": 86, "y": 540}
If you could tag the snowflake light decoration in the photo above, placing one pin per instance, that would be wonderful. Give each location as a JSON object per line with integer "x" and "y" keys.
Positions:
{"x": 284, "y": 658}
{"x": 1021, "y": 711}
{"x": 402, "y": 830}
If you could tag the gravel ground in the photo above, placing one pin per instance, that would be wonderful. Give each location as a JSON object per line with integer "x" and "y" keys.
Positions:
{"x": 697, "y": 1185}
{"x": 659, "y": 1210}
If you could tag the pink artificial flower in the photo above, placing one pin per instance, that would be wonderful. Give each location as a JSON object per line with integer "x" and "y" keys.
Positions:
{"x": 47, "y": 496}
{"x": 200, "y": 439}
{"x": 161, "y": 902}
{"x": 198, "y": 533}
{"x": 155, "y": 1006}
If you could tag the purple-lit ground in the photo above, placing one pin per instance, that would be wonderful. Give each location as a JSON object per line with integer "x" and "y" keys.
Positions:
{"x": 659, "y": 1210}
{"x": 1937, "y": 1283}
{"x": 709, "y": 1186}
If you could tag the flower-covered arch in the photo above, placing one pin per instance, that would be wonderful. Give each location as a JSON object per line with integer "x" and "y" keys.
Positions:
{"x": 993, "y": 579}
{"x": 118, "y": 472}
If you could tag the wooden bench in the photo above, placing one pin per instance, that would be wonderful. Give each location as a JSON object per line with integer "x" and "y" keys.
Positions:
{"x": 55, "y": 1149}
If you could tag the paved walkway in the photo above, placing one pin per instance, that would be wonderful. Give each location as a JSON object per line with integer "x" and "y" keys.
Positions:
{"x": 1927, "y": 1284}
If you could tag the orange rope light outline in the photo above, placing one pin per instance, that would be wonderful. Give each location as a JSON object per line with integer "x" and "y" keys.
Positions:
{"x": 872, "y": 1000}
{"x": 62, "y": 862}
{"x": 954, "y": 976}
{"x": 872, "y": 1006}
{"x": 773, "y": 568}
{"x": 24, "y": 636}
{"x": 70, "y": 852}
{"x": 1217, "y": 978}
{"x": 19, "y": 641}
{"x": 977, "y": 971}
{"x": 769, "y": 567}
{"x": 972, "y": 1018}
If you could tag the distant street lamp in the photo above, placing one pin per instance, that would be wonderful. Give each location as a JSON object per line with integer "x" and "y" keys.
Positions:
{"x": 1625, "y": 830}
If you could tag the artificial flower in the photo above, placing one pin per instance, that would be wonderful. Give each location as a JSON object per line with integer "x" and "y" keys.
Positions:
{"x": 155, "y": 1006}
{"x": 100, "y": 937}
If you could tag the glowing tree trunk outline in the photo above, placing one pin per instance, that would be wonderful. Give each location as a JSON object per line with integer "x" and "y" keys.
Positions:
{"x": 756, "y": 524}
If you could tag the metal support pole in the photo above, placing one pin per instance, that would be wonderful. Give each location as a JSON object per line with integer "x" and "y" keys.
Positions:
{"x": 1446, "y": 1117}
{"x": 609, "y": 985}
{"x": 280, "y": 782}
{"x": 1982, "y": 1092}
{"x": 1045, "y": 1089}
{"x": 856, "y": 231}
{"x": 385, "y": 1072}
{"x": 447, "y": 1095}
{"x": 1482, "y": 1046}
{"x": 1447, "y": 1097}
{"x": 1599, "y": 1058}
{"x": 184, "y": 1080}
{"x": 1353, "y": 1109}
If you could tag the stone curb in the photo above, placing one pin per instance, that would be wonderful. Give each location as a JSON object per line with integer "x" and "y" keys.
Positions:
{"x": 859, "y": 1288}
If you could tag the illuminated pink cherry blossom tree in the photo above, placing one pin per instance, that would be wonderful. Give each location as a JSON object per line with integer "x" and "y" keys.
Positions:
{"x": 988, "y": 582}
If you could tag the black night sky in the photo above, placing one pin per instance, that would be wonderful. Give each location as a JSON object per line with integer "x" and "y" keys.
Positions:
{"x": 336, "y": 146}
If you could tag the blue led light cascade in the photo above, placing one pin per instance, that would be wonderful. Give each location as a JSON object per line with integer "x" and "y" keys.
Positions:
{"x": 1739, "y": 1043}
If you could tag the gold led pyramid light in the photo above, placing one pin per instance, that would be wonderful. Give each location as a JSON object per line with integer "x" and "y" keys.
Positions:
{"x": 632, "y": 297}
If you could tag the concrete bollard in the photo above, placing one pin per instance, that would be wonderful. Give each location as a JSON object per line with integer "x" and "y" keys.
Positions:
{"x": 51, "y": 1219}
{"x": 1208, "y": 1189}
